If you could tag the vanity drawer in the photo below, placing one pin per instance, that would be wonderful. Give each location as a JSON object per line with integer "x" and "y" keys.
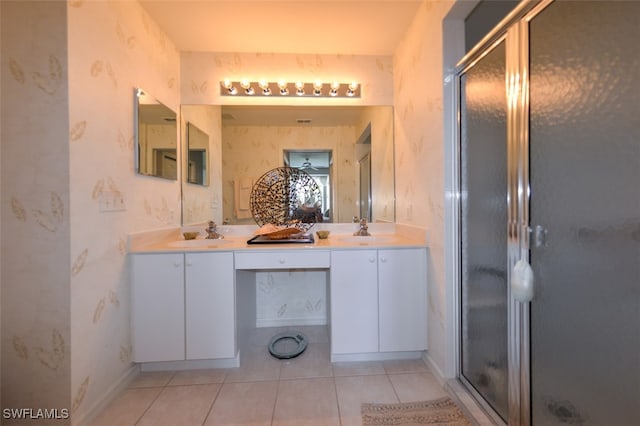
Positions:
{"x": 283, "y": 259}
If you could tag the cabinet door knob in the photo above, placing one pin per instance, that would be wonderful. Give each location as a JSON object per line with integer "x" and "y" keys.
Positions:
{"x": 282, "y": 261}
{"x": 372, "y": 259}
{"x": 177, "y": 264}
{"x": 383, "y": 259}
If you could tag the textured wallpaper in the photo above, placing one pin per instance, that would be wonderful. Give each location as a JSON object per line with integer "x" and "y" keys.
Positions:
{"x": 36, "y": 336}
{"x": 202, "y": 73}
{"x": 113, "y": 47}
{"x": 420, "y": 148}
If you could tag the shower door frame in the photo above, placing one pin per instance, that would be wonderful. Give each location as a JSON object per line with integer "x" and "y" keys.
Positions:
{"x": 514, "y": 31}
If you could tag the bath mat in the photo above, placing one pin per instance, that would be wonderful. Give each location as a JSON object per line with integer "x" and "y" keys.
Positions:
{"x": 441, "y": 412}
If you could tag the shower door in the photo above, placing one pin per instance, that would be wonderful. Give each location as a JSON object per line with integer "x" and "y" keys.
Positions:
{"x": 483, "y": 238}
{"x": 550, "y": 176}
{"x": 585, "y": 213}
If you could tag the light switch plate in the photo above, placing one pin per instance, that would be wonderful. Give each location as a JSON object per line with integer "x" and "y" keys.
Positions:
{"x": 112, "y": 201}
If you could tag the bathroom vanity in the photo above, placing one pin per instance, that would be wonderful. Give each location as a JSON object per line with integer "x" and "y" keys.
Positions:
{"x": 191, "y": 303}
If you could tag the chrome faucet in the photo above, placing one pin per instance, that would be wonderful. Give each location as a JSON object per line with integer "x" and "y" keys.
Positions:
{"x": 212, "y": 233}
{"x": 363, "y": 229}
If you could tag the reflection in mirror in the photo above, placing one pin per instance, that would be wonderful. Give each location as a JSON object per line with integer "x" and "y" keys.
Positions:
{"x": 156, "y": 137}
{"x": 201, "y": 203}
{"x": 255, "y": 139}
{"x": 197, "y": 147}
{"x": 317, "y": 164}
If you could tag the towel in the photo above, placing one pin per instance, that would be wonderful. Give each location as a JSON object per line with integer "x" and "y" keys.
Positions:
{"x": 242, "y": 197}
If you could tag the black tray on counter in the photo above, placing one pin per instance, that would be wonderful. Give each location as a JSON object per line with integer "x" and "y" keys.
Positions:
{"x": 264, "y": 239}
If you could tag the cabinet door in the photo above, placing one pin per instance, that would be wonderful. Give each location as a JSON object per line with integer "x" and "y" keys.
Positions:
{"x": 210, "y": 301}
{"x": 402, "y": 283}
{"x": 157, "y": 307}
{"x": 354, "y": 301}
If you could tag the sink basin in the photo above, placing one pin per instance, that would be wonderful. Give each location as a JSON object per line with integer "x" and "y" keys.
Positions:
{"x": 371, "y": 239}
{"x": 198, "y": 243}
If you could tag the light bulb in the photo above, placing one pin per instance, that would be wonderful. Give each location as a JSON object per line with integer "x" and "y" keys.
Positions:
{"x": 317, "y": 88}
{"x": 283, "y": 87}
{"x": 246, "y": 85}
{"x": 351, "y": 91}
{"x": 334, "y": 88}
{"x": 227, "y": 84}
{"x": 300, "y": 88}
{"x": 264, "y": 85}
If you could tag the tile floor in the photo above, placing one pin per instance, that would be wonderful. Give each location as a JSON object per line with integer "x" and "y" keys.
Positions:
{"x": 307, "y": 390}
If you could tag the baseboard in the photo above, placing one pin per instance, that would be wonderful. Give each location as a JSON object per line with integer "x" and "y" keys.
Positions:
{"x": 120, "y": 385}
{"x": 376, "y": 356}
{"x": 435, "y": 370}
{"x": 191, "y": 364}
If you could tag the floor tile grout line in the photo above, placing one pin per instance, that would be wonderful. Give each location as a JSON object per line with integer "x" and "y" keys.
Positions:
{"x": 275, "y": 402}
{"x": 150, "y": 405}
{"x": 204, "y": 421}
{"x": 335, "y": 388}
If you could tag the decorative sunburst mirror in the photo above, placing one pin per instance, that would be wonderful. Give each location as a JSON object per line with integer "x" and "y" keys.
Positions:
{"x": 286, "y": 196}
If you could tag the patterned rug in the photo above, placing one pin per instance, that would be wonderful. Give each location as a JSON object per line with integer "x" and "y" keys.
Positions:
{"x": 441, "y": 412}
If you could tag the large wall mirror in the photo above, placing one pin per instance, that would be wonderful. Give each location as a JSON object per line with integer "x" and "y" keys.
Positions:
{"x": 155, "y": 137}
{"x": 328, "y": 142}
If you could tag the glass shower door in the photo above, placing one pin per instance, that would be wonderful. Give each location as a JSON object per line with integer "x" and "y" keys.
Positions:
{"x": 483, "y": 225}
{"x": 585, "y": 213}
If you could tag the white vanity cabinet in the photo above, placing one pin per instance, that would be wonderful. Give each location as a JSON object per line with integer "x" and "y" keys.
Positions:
{"x": 182, "y": 306}
{"x": 402, "y": 295}
{"x": 354, "y": 301}
{"x": 209, "y": 303}
{"x": 378, "y": 301}
{"x": 157, "y": 307}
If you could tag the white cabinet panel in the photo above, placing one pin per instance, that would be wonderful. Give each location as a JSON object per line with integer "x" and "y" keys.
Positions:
{"x": 157, "y": 314}
{"x": 354, "y": 301}
{"x": 402, "y": 286}
{"x": 210, "y": 301}
{"x": 285, "y": 259}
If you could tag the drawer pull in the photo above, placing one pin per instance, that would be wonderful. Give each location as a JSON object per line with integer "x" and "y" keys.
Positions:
{"x": 282, "y": 261}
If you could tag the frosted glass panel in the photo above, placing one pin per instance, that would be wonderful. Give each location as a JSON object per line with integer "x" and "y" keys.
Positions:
{"x": 585, "y": 189}
{"x": 483, "y": 182}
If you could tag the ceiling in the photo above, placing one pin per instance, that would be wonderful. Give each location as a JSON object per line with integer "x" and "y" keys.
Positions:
{"x": 326, "y": 27}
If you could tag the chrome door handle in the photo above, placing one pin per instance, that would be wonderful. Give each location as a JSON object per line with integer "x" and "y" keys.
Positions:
{"x": 538, "y": 235}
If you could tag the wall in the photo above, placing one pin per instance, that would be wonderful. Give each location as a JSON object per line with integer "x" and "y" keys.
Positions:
{"x": 113, "y": 47}
{"x": 382, "y": 164}
{"x": 420, "y": 148}
{"x": 35, "y": 207}
{"x": 202, "y": 73}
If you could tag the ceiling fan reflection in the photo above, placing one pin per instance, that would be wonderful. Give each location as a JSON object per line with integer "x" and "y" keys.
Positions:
{"x": 307, "y": 165}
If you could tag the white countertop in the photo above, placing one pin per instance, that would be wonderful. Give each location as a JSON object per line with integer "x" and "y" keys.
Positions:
{"x": 236, "y": 237}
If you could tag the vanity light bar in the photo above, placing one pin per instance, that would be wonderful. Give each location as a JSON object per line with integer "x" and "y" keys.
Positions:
{"x": 283, "y": 88}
